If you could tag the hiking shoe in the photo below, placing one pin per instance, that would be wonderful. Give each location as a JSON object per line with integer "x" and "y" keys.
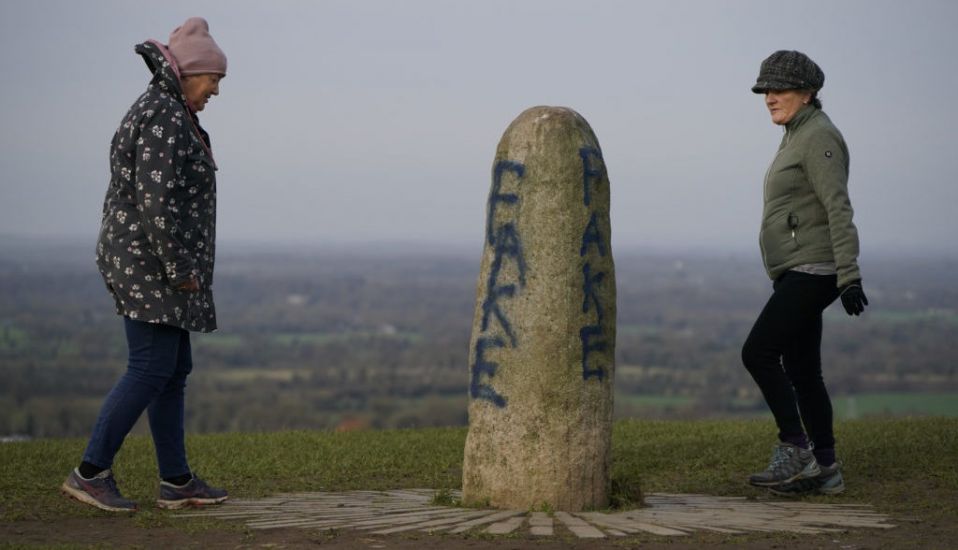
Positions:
{"x": 193, "y": 493}
{"x": 99, "y": 491}
{"x": 789, "y": 463}
{"x": 828, "y": 482}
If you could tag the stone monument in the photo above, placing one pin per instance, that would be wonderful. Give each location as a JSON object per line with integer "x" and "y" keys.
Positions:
{"x": 543, "y": 336}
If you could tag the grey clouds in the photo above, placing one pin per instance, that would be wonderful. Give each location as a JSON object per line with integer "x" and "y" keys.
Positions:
{"x": 353, "y": 121}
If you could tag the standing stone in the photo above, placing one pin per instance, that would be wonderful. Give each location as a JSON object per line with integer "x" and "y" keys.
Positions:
{"x": 543, "y": 335}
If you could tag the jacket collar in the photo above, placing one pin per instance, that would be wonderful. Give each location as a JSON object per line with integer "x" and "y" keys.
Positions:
{"x": 807, "y": 113}
{"x": 166, "y": 75}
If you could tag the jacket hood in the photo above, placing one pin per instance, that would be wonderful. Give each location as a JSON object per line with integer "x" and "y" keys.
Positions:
{"x": 166, "y": 75}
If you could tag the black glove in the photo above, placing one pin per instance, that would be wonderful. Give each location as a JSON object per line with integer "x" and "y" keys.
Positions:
{"x": 853, "y": 298}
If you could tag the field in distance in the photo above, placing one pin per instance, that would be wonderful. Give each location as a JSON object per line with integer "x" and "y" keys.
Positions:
{"x": 363, "y": 338}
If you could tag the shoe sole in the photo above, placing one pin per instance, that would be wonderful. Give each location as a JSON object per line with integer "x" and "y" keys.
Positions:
{"x": 188, "y": 502}
{"x": 811, "y": 470}
{"x": 832, "y": 490}
{"x": 85, "y": 498}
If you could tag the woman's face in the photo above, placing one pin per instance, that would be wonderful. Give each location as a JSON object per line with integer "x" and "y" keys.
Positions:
{"x": 199, "y": 87}
{"x": 784, "y": 104}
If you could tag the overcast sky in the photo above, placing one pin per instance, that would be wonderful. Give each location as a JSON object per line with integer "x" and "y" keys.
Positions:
{"x": 352, "y": 121}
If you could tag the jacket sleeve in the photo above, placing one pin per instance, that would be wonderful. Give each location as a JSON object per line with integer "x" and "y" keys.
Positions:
{"x": 826, "y": 165}
{"x": 160, "y": 157}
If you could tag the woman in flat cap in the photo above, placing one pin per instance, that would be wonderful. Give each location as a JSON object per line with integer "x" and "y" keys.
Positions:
{"x": 810, "y": 249}
{"x": 156, "y": 251}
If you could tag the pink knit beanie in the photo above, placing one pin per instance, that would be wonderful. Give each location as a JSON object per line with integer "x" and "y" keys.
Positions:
{"x": 195, "y": 50}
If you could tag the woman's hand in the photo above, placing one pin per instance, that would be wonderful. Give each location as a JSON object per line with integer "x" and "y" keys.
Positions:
{"x": 853, "y": 298}
{"x": 189, "y": 286}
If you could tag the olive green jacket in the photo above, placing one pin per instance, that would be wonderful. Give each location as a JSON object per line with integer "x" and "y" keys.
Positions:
{"x": 807, "y": 216}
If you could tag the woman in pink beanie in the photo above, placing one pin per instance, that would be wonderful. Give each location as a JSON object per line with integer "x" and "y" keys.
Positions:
{"x": 156, "y": 252}
{"x": 200, "y": 61}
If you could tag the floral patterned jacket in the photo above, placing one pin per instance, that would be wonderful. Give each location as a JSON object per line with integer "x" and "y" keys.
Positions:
{"x": 159, "y": 216}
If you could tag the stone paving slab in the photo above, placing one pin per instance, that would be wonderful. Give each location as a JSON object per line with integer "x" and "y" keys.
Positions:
{"x": 664, "y": 514}
{"x": 507, "y": 526}
{"x": 494, "y": 517}
{"x": 540, "y": 524}
{"x": 432, "y": 523}
{"x": 579, "y": 527}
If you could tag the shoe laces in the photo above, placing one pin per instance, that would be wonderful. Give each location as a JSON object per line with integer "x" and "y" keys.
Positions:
{"x": 111, "y": 484}
{"x": 780, "y": 457}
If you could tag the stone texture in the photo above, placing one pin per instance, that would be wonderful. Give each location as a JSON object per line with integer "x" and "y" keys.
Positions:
{"x": 543, "y": 338}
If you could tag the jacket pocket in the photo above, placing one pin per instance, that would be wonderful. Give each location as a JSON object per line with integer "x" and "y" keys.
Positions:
{"x": 777, "y": 240}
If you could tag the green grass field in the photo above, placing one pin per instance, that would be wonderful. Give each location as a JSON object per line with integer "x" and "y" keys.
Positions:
{"x": 905, "y": 467}
{"x": 654, "y": 402}
{"x": 895, "y": 404}
{"x": 846, "y": 407}
{"x": 235, "y": 341}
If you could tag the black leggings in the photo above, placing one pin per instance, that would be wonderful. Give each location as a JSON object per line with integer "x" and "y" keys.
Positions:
{"x": 783, "y": 355}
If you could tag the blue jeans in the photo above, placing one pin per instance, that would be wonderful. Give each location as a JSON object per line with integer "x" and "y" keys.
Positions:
{"x": 155, "y": 379}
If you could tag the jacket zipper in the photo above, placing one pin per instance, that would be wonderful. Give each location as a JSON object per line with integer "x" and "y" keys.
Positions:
{"x": 761, "y": 241}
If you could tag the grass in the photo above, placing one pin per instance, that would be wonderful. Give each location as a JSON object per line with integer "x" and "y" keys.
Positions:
{"x": 895, "y": 404}
{"x": 654, "y": 401}
{"x": 846, "y": 407}
{"x": 250, "y": 464}
{"x": 906, "y": 466}
{"x": 711, "y": 457}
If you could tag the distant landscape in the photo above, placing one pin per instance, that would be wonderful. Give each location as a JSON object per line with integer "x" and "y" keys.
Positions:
{"x": 377, "y": 337}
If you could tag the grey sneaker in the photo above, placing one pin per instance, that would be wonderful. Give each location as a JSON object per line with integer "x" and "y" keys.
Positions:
{"x": 194, "y": 493}
{"x": 828, "y": 482}
{"x": 100, "y": 491}
{"x": 789, "y": 463}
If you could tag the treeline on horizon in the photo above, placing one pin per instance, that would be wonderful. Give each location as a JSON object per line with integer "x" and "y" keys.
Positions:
{"x": 351, "y": 339}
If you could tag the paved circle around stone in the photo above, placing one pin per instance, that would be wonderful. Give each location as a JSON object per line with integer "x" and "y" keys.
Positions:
{"x": 387, "y": 512}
